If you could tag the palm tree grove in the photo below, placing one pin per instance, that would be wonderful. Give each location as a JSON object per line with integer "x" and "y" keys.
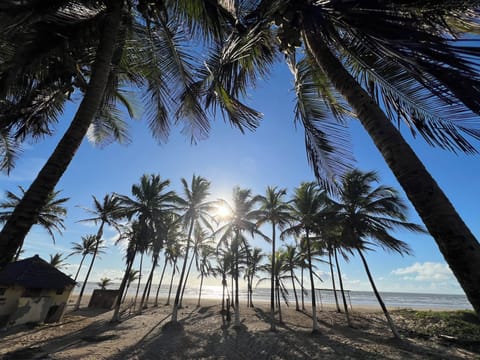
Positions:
{"x": 222, "y": 229}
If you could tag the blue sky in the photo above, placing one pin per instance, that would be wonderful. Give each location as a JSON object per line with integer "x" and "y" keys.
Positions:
{"x": 272, "y": 155}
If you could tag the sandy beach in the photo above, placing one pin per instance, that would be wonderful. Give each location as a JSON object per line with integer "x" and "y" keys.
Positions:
{"x": 88, "y": 334}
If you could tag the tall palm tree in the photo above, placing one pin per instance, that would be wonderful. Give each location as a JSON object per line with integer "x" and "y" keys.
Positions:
{"x": 306, "y": 204}
{"x": 367, "y": 214}
{"x": 50, "y": 217}
{"x": 144, "y": 47}
{"x": 149, "y": 204}
{"x": 242, "y": 219}
{"x": 275, "y": 210}
{"x": 84, "y": 248}
{"x": 414, "y": 65}
{"x": 107, "y": 212}
{"x": 196, "y": 210}
{"x": 57, "y": 260}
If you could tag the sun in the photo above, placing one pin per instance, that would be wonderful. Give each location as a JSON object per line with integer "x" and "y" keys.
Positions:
{"x": 222, "y": 211}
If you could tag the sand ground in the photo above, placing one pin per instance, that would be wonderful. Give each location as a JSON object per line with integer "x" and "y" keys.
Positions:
{"x": 88, "y": 334}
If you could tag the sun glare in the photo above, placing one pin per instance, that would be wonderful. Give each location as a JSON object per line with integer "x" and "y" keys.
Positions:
{"x": 222, "y": 212}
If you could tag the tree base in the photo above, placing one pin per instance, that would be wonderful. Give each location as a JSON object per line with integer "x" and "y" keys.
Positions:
{"x": 172, "y": 327}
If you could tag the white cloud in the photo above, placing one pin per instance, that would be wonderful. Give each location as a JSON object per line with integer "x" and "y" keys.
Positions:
{"x": 427, "y": 271}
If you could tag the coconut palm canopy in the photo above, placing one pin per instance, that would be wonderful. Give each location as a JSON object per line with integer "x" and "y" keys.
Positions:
{"x": 273, "y": 155}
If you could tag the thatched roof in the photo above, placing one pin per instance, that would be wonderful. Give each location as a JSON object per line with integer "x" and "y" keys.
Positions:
{"x": 34, "y": 273}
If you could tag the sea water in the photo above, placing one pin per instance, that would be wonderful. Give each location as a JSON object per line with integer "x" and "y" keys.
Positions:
{"x": 323, "y": 296}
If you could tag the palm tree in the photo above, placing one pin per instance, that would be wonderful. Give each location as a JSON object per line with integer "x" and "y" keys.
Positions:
{"x": 138, "y": 49}
{"x": 223, "y": 267}
{"x": 306, "y": 204}
{"x": 131, "y": 235}
{"x": 104, "y": 282}
{"x": 414, "y": 64}
{"x": 50, "y": 217}
{"x": 242, "y": 219}
{"x": 84, "y": 248}
{"x": 293, "y": 260}
{"x": 57, "y": 260}
{"x": 132, "y": 276}
{"x": 253, "y": 265}
{"x": 281, "y": 273}
{"x": 205, "y": 267}
{"x": 170, "y": 252}
{"x": 106, "y": 212}
{"x": 150, "y": 203}
{"x": 166, "y": 230}
{"x": 196, "y": 210}
{"x": 276, "y": 211}
{"x": 201, "y": 240}
{"x": 367, "y": 215}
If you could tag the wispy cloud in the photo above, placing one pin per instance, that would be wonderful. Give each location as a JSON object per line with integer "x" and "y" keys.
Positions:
{"x": 427, "y": 271}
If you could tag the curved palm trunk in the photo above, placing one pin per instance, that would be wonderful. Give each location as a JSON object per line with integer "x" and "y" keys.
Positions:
{"x": 379, "y": 298}
{"x": 292, "y": 275}
{"x": 312, "y": 286}
{"x": 456, "y": 242}
{"x": 182, "y": 274}
{"x": 118, "y": 303}
{"x": 139, "y": 280}
{"x": 345, "y": 306}
{"x": 19, "y": 251}
{"x": 171, "y": 281}
{"x": 147, "y": 285}
{"x": 272, "y": 275}
{"x": 333, "y": 279}
{"x": 98, "y": 237}
{"x": 26, "y": 212}
{"x": 160, "y": 283}
{"x": 79, "y": 267}
{"x": 303, "y": 290}
{"x": 126, "y": 291}
{"x": 186, "y": 279}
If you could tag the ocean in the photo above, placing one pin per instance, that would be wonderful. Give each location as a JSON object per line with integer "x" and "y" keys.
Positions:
{"x": 324, "y": 297}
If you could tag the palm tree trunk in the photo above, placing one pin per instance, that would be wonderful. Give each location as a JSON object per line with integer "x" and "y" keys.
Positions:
{"x": 345, "y": 306}
{"x": 139, "y": 280}
{"x": 237, "y": 303}
{"x": 116, "y": 313}
{"x": 278, "y": 302}
{"x": 333, "y": 279}
{"x": 182, "y": 274}
{"x": 379, "y": 298}
{"x": 171, "y": 282}
{"x": 148, "y": 284}
{"x": 186, "y": 279}
{"x": 312, "y": 285}
{"x": 126, "y": 292}
{"x": 456, "y": 242}
{"x": 97, "y": 243}
{"x": 79, "y": 267}
{"x": 272, "y": 274}
{"x": 297, "y": 307}
{"x": 303, "y": 291}
{"x": 160, "y": 283}
{"x": 200, "y": 290}
{"x": 26, "y": 212}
